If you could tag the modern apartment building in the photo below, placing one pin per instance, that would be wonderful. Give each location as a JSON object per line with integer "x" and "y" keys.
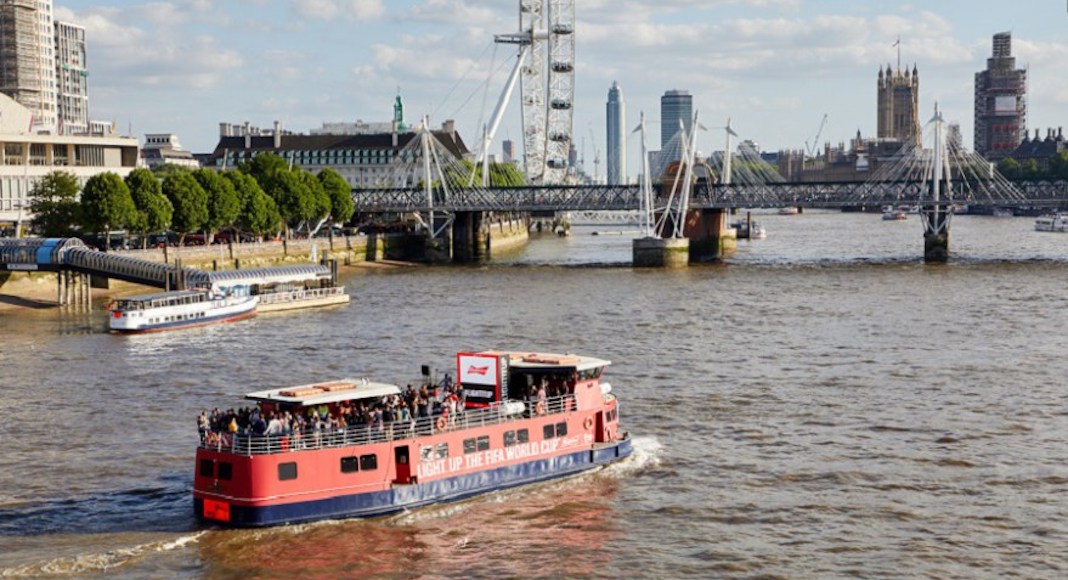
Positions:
{"x": 72, "y": 88}
{"x": 675, "y": 106}
{"x": 1000, "y": 102}
{"x": 616, "y": 124}
{"x": 28, "y": 59}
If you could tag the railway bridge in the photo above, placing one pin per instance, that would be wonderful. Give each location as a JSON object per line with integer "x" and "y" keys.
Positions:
{"x": 464, "y": 208}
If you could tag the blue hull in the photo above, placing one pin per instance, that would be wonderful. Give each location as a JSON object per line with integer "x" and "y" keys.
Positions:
{"x": 403, "y": 497}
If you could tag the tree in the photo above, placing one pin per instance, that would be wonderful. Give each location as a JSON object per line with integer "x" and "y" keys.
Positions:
{"x": 190, "y": 203}
{"x": 54, "y": 205}
{"x": 317, "y": 206}
{"x": 154, "y": 210}
{"x": 107, "y": 205}
{"x": 1058, "y": 166}
{"x": 1009, "y": 167}
{"x": 291, "y": 195}
{"x": 340, "y": 193}
{"x": 264, "y": 166}
{"x": 224, "y": 205}
{"x": 259, "y": 213}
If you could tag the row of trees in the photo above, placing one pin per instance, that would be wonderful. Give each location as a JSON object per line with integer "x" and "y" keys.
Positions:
{"x": 262, "y": 197}
{"x": 1030, "y": 170}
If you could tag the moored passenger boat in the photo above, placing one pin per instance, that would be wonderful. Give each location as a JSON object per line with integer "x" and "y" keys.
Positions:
{"x": 178, "y": 309}
{"x": 347, "y": 448}
{"x": 1052, "y": 223}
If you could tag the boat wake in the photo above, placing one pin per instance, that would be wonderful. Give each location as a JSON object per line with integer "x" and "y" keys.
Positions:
{"x": 100, "y": 562}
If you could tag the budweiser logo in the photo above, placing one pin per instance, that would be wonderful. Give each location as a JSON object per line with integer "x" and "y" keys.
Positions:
{"x": 473, "y": 370}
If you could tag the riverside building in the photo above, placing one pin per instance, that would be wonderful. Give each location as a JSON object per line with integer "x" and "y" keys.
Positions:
{"x": 365, "y": 160}
{"x": 26, "y": 156}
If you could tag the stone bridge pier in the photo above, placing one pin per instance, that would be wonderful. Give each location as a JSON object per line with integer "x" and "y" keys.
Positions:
{"x": 707, "y": 238}
{"x": 935, "y": 233}
{"x": 470, "y": 239}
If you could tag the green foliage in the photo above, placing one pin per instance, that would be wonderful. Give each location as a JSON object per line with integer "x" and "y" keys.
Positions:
{"x": 1009, "y": 167}
{"x": 1058, "y": 166}
{"x": 340, "y": 193}
{"x": 500, "y": 175}
{"x": 292, "y": 196}
{"x": 190, "y": 202}
{"x": 224, "y": 204}
{"x": 318, "y": 202}
{"x": 259, "y": 213}
{"x": 154, "y": 210}
{"x": 107, "y": 204}
{"x": 53, "y": 202}
{"x": 264, "y": 168}
{"x": 1030, "y": 171}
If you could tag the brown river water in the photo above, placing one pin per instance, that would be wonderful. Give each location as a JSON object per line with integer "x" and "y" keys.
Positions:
{"x": 820, "y": 404}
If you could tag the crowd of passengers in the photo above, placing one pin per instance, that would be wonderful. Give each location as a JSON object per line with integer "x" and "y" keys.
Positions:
{"x": 444, "y": 400}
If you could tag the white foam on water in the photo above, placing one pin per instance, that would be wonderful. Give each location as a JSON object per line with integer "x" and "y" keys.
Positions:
{"x": 102, "y": 562}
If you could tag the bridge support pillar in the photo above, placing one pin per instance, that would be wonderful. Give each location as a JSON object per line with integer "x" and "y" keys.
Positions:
{"x": 469, "y": 239}
{"x": 710, "y": 237}
{"x": 660, "y": 252}
{"x": 935, "y": 233}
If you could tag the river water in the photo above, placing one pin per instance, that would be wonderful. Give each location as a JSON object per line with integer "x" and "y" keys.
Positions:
{"x": 820, "y": 404}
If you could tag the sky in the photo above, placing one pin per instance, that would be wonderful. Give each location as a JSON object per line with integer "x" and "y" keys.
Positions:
{"x": 774, "y": 67}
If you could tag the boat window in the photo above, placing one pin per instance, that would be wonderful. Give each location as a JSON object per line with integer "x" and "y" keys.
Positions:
{"x": 226, "y": 470}
{"x": 522, "y": 435}
{"x": 469, "y": 446}
{"x": 441, "y": 451}
{"x": 207, "y": 468}
{"x": 509, "y": 438}
{"x": 369, "y": 462}
{"x": 590, "y": 374}
{"x": 287, "y": 471}
{"x": 350, "y": 464}
{"x": 561, "y": 429}
{"x": 548, "y": 431}
{"x": 426, "y": 453}
{"x": 483, "y": 443}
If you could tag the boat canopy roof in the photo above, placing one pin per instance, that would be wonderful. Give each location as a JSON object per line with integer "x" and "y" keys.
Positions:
{"x": 325, "y": 393}
{"x": 173, "y": 294}
{"x": 541, "y": 360}
{"x": 273, "y": 275}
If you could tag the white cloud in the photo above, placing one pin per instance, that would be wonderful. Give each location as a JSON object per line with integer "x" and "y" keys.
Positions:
{"x": 463, "y": 12}
{"x": 359, "y": 10}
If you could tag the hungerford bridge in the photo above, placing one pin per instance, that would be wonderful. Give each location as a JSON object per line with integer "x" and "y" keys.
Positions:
{"x": 692, "y": 213}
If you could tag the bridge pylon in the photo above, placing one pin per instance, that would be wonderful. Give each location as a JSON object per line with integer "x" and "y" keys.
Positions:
{"x": 936, "y": 214}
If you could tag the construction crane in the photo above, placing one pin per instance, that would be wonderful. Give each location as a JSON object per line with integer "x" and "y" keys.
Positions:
{"x": 811, "y": 149}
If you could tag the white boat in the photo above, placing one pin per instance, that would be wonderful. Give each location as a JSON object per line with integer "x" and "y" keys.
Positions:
{"x": 788, "y": 211}
{"x": 750, "y": 230}
{"x": 892, "y": 214}
{"x": 179, "y": 309}
{"x": 290, "y": 298}
{"x": 1052, "y": 223}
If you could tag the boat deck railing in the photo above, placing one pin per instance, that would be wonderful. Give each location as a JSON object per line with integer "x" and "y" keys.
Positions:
{"x": 314, "y": 438}
{"x": 300, "y": 295}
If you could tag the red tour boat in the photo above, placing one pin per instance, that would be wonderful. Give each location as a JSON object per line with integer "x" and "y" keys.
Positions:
{"x": 354, "y": 448}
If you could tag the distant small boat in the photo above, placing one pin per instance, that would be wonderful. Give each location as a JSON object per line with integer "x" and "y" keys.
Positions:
{"x": 893, "y": 214}
{"x": 749, "y": 230}
{"x": 788, "y": 211}
{"x": 1052, "y": 223}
